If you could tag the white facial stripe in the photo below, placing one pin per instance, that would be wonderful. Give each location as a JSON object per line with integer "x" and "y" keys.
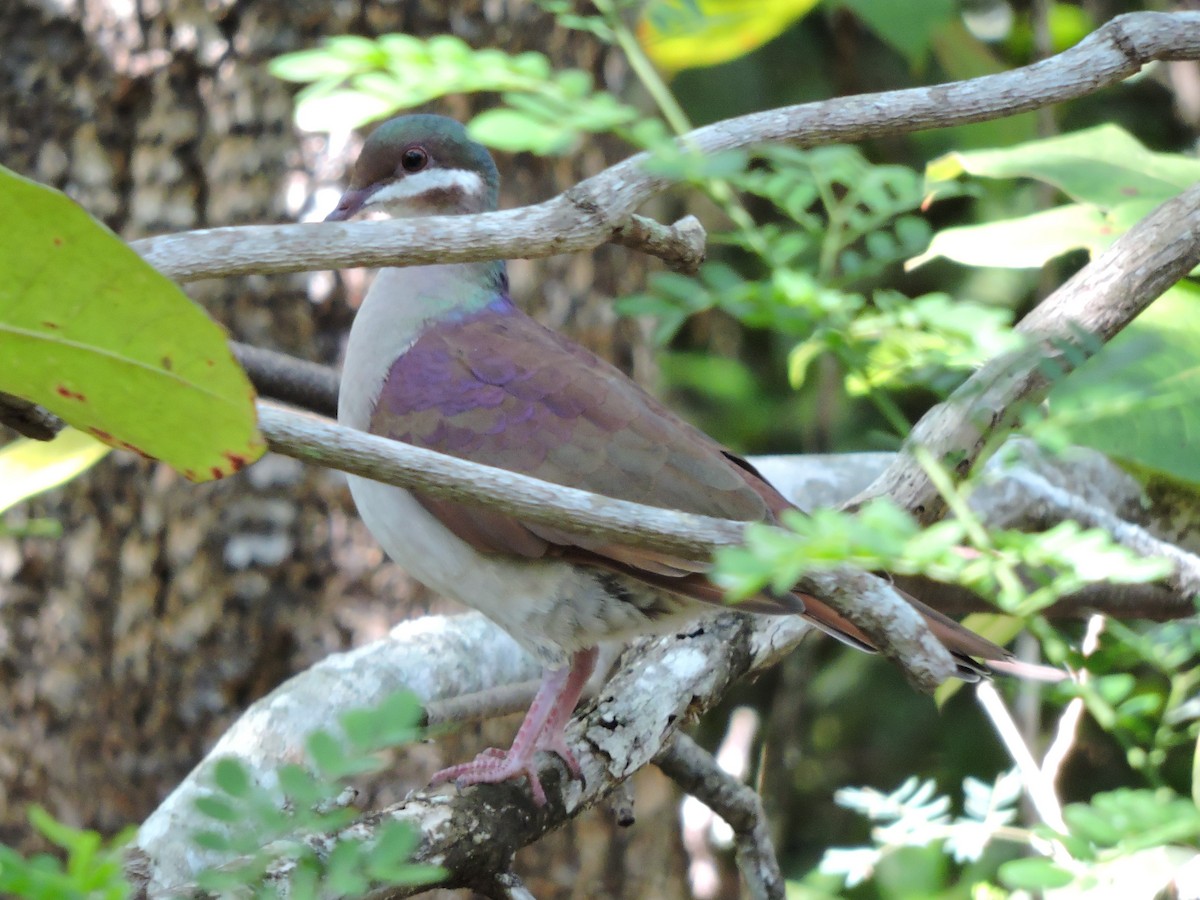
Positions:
{"x": 469, "y": 183}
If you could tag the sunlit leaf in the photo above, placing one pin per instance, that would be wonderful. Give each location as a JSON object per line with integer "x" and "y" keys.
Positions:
{"x": 332, "y": 110}
{"x": 97, "y": 336}
{"x": 1104, "y": 166}
{"x": 995, "y": 627}
{"x": 1034, "y": 874}
{"x": 687, "y": 34}
{"x": 514, "y": 131}
{"x": 311, "y": 65}
{"x": 29, "y": 467}
{"x": 1026, "y": 242}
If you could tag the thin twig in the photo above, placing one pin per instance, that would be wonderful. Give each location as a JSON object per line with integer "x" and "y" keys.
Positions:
{"x": 1068, "y": 723}
{"x": 499, "y": 700}
{"x": 589, "y": 214}
{"x": 695, "y": 770}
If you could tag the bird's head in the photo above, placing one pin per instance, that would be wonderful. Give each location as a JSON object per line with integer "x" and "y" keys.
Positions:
{"x": 419, "y": 165}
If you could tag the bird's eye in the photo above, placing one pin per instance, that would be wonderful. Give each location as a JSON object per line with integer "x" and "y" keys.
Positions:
{"x": 414, "y": 159}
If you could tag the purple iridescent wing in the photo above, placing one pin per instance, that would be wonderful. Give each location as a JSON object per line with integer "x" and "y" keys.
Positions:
{"x": 496, "y": 387}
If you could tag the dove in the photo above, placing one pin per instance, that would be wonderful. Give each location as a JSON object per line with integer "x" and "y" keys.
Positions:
{"x": 440, "y": 357}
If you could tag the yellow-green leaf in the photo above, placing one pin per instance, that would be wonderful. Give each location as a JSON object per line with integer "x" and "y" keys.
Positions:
{"x": 93, "y": 333}
{"x": 688, "y": 34}
{"x": 1104, "y": 166}
{"x": 29, "y": 467}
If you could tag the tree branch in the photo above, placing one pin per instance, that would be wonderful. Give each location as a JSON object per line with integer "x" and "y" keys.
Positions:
{"x": 28, "y": 419}
{"x": 473, "y": 833}
{"x": 695, "y": 770}
{"x": 1064, "y": 330}
{"x": 594, "y": 211}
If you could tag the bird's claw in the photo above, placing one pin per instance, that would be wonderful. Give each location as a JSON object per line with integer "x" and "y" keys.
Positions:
{"x": 494, "y": 765}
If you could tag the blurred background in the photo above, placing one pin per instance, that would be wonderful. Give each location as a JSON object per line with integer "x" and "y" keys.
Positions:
{"x": 140, "y": 614}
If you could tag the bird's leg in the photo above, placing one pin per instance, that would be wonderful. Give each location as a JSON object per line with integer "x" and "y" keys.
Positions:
{"x": 553, "y": 736}
{"x": 542, "y": 729}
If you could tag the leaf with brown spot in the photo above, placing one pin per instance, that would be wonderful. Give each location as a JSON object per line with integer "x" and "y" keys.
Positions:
{"x": 93, "y": 333}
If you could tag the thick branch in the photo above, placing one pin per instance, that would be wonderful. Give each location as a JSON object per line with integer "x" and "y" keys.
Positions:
{"x": 1065, "y": 329}
{"x": 474, "y": 832}
{"x": 323, "y": 442}
{"x": 595, "y": 210}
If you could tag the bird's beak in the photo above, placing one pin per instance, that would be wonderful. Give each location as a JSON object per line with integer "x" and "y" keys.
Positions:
{"x": 352, "y": 201}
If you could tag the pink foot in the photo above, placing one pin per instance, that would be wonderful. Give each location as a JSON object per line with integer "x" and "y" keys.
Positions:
{"x": 542, "y": 729}
{"x": 493, "y": 766}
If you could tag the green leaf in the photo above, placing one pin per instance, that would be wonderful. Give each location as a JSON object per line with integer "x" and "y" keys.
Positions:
{"x": 684, "y": 34}
{"x": 997, "y": 628}
{"x": 392, "y": 722}
{"x": 1135, "y": 400}
{"x": 217, "y": 808}
{"x": 302, "y": 788}
{"x": 97, "y": 336}
{"x": 231, "y": 777}
{"x": 322, "y": 109}
{"x": 311, "y": 65}
{"x": 907, "y": 27}
{"x": 212, "y": 840}
{"x": 29, "y": 467}
{"x": 344, "y": 868}
{"x": 1104, "y": 166}
{"x": 513, "y": 131}
{"x": 1034, "y": 874}
{"x": 388, "y": 860}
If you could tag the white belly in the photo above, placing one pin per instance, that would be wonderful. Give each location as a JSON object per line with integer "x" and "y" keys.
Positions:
{"x": 524, "y": 597}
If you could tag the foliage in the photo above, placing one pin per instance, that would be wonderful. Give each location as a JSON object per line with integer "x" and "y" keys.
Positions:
{"x": 1112, "y": 179}
{"x": 28, "y": 467}
{"x": 1133, "y": 401}
{"x": 92, "y": 869}
{"x": 1112, "y": 845}
{"x": 845, "y": 223}
{"x": 290, "y": 824}
{"x": 881, "y": 536}
{"x": 352, "y": 80}
{"x": 97, "y": 336}
{"x": 683, "y": 34}
{"x": 285, "y": 831}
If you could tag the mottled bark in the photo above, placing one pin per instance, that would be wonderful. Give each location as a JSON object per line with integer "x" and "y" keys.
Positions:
{"x": 129, "y": 645}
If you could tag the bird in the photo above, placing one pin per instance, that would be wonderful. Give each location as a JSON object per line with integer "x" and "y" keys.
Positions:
{"x": 440, "y": 356}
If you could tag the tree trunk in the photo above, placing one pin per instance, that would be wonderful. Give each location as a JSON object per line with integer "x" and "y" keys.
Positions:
{"x": 128, "y": 644}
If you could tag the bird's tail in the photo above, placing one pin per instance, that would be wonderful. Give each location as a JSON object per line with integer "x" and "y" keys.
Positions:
{"x": 975, "y": 656}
